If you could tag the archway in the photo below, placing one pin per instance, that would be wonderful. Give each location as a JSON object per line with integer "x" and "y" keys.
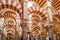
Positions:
{"x": 36, "y": 16}
{"x": 11, "y": 11}
{"x": 56, "y": 23}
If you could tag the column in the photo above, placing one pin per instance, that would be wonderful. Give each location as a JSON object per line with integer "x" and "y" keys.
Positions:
{"x": 49, "y": 19}
{"x": 25, "y": 16}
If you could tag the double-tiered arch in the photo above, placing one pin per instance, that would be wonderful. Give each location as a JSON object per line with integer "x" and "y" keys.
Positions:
{"x": 11, "y": 11}
{"x": 36, "y": 15}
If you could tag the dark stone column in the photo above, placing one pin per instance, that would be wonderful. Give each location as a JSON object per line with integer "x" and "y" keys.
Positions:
{"x": 24, "y": 30}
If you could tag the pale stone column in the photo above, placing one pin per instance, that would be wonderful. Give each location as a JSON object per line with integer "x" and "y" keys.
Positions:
{"x": 28, "y": 36}
{"x": 47, "y": 37}
{"x": 0, "y": 36}
{"x": 25, "y": 8}
{"x": 54, "y": 36}
{"x": 49, "y": 12}
{"x": 49, "y": 19}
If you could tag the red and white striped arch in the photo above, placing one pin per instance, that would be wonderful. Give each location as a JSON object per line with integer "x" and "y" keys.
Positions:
{"x": 11, "y": 4}
{"x": 39, "y": 11}
{"x": 39, "y": 2}
{"x": 56, "y": 4}
{"x": 56, "y": 13}
{"x": 12, "y": 20}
